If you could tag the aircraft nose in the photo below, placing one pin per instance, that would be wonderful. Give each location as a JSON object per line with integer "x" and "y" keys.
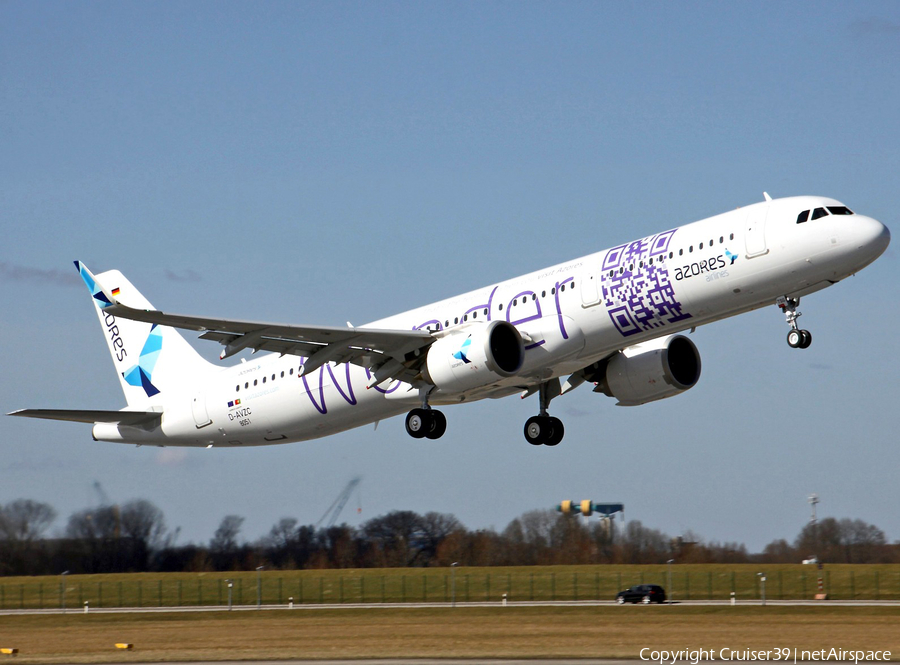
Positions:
{"x": 873, "y": 236}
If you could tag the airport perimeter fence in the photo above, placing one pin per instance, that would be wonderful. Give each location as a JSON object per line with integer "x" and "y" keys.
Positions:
{"x": 436, "y": 586}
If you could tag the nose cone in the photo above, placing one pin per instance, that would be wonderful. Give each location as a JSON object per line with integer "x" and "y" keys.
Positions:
{"x": 873, "y": 237}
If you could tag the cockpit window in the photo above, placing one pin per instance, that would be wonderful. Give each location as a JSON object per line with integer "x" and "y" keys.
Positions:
{"x": 839, "y": 210}
{"x": 819, "y": 212}
{"x": 803, "y": 216}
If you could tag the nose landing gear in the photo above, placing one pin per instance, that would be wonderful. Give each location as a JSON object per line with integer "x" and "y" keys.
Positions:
{"x": 796, "y": 338}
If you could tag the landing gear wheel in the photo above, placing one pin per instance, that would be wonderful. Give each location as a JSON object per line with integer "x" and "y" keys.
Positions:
{"x": 535, "y": 430}
{"x": 795, "y": 339}
{"x": 418, "y": 423}
{"x": 556, "y": 433}
{"x": 438, "y": 422}
{"x": 807, "y": 339}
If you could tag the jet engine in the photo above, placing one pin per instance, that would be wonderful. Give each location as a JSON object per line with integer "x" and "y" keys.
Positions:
{"x": 651, "y": 371}
{"x": 474, "y": 357}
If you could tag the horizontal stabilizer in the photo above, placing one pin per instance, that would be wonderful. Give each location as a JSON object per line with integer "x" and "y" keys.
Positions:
{"x": 129, "y": 418}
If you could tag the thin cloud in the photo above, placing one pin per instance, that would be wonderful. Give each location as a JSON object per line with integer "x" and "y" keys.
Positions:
{"x": 172, "y": 457}
{"x": 874, "y": 27}
{"x": 10, "y": 272}
{"x": 183, "y": 276}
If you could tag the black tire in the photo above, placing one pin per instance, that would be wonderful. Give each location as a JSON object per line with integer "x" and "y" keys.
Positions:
{"x": 646, "y": 600}
{"x": 795, "y": 339}
{"x": 438, "y": 425}
{"x": 556, "y": 433}
{"x": 536, "y": 430}
{"x": 418, "y": 423}
{"x": 807, "y": 339}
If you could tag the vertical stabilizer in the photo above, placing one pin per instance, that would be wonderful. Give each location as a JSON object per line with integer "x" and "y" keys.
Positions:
{"x": 152, "y": 361}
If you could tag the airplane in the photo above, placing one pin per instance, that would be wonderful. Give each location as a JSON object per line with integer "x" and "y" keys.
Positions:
{"x": 614, "y": 319}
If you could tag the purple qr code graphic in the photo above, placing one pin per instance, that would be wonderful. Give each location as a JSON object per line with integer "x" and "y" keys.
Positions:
{"x": 637, "y": 292}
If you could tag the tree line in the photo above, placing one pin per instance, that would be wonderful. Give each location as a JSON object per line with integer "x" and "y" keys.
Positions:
{"x": 133, "y": 537}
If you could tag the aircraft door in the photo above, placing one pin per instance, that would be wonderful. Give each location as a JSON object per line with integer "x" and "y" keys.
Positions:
{"x": 198, "y": 407}
{"x": 590, "y": 288}
{"x": 755, "y": 234}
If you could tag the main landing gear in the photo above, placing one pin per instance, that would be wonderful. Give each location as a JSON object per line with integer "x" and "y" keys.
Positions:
{"x": 544, "y": 429}
{"x": 425, "y": 422}
{"x": 796, "y": 338}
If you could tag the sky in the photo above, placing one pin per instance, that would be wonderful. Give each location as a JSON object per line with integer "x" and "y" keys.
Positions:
{"x": 320, "y": 163}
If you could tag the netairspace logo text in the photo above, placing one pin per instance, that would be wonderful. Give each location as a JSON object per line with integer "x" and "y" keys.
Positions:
{"x": 695, "y": 656}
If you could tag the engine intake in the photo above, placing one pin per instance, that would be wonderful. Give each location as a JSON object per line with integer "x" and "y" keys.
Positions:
{"x": 475, "y": 357}
{"x": 652, "y": 371}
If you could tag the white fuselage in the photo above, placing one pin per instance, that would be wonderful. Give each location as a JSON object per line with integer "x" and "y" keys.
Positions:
{"x": 571, "y": 315}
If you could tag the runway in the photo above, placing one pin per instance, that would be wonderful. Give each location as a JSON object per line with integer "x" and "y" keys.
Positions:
{"x": 312, "y": 607}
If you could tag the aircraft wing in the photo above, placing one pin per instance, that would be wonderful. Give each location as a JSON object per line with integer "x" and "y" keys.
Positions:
{"x": 396, "y": 354}
{"x": 131, "y": 418}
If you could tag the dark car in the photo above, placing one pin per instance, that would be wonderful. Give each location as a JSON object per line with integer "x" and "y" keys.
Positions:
{"x": 642, "y": 593}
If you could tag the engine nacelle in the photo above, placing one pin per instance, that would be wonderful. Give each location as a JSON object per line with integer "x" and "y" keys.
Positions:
{"x": 648, "y": 372}
{"x": 475, "y": 357}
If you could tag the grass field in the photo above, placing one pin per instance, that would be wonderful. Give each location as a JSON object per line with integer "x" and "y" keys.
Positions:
{"x": 787, "y": 581}
{"x": 520, "y": 632}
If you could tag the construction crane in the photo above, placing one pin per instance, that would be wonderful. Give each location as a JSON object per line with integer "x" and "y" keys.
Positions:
{"x": 334, "y": 510}
{"x": 104, "y": 503}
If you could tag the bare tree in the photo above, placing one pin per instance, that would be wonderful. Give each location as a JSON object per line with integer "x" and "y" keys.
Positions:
{"x": 144, "y": 522}
{"x": 25, "y": 520}
{"x": 225, "y": 538}
{"x": 93, "y": 523}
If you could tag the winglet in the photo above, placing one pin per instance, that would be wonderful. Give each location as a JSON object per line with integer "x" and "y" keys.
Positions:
{"x": 103, "y": 297}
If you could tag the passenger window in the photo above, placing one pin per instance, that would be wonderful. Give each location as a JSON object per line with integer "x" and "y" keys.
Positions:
{"x": 721, "y": 240}
{"x": 237, "y": 388}
{"x": 839, "y": 210}
{"x": 292, "y": 371}
{"x": 246, "y": 385}
{"x": 671, "y": 254}
{"x": 282, "y": 375}
{"x": 803, "y": 216}
{"x": 456, "y": 319}
{"x": 711, "y": 242}
{"x": 485, "y": 311}
{"x": 680, "y": 252}
{"x": 264, "y": 379}
{"x": 553, "y": 290}
{"x": 701, "y": 246}
{"x": 731, "y": 237}
{"x": 562, "y": 288}
{"x": 819, "y": 212}
{"x": 255, "y": 381}
{"x": 544, "y": 293}
{"x": 691, "y": 249}
{"x": 273, "y": 377}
